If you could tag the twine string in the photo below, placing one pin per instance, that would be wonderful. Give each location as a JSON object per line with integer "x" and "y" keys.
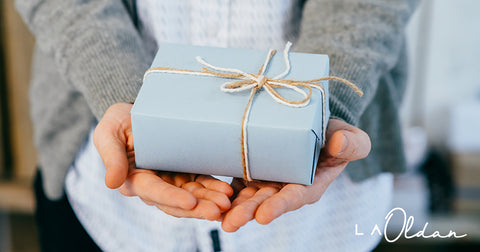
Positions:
{"x": 256, "y": 82}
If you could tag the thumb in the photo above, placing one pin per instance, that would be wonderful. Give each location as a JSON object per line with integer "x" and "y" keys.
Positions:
{"x": 349, "y": 144}
{"x": 110, "y": 141}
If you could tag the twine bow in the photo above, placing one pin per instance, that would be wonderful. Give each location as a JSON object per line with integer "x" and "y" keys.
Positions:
{"x": 257, "y": 82}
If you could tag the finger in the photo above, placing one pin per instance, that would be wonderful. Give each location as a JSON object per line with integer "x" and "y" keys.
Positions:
{"x": 179, "y": 179}
{"x": 204, "y": 210}
{"x": 215, "y": 184}
{"x": 245, "y": 211}
{"x": 244, "y": 194}
{"x": 241, "y": 194}
{"x": 289, "y": 198}
{"x": 110, "y": 139}
{"x": 200, "y": 192}
{"x": 349, "y": 146}
{"x": 112, "y": 150}
{"x": 347, "y": 142}
{"x": 147, "y": 185}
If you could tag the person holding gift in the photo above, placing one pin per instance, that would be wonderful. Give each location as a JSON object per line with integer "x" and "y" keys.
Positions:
{"x": 88, "y": 67}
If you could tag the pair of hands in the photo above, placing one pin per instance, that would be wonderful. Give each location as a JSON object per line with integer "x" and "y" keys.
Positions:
{"x": 204, "y": 197}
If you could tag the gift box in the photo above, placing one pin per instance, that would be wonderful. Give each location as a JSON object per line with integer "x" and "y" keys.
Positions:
{"x": 184, "y": 121}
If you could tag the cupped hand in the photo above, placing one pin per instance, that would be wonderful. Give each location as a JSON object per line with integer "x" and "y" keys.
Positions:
{"x": 177, "y": 194}
{"x": 266, "y": 201}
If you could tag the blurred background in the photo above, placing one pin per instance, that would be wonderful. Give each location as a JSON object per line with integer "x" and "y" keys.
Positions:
{"x": 441, "y": 119}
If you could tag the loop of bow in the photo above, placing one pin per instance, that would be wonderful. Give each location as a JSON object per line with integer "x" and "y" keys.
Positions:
{"x": 259, "y": 81}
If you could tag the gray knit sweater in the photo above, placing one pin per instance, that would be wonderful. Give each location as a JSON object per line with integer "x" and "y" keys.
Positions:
{"x": 90, "y": 55}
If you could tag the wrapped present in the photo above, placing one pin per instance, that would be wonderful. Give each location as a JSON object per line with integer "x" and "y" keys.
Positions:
{"x": 246, "y": 113}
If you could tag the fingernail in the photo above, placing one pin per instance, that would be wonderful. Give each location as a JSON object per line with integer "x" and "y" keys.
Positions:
{"x": 344, "y": 145}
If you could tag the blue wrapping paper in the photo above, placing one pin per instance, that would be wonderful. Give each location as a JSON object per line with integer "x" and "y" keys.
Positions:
{"x": 185, "y": 123}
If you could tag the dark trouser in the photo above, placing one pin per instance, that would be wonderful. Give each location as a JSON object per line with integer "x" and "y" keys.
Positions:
{"x": 58, "y": 226}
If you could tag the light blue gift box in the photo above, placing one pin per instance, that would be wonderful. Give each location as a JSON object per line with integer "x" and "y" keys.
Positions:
{"x": 185, "y": 123}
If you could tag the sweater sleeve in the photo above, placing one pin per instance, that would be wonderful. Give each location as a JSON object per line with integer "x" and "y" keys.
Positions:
{"x": 94, "y": 44}
{"x": 363, "y": 39}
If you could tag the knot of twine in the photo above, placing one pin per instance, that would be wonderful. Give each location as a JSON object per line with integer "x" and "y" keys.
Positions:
{"x": 257, "y": 82}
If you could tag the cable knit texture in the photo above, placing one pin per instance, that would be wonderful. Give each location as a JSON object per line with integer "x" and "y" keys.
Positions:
{"x": 90, "y": 55}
